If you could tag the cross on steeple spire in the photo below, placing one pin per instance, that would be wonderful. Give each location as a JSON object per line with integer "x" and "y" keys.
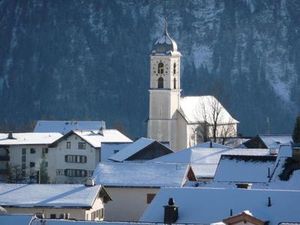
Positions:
{"x": 166, "y": 25}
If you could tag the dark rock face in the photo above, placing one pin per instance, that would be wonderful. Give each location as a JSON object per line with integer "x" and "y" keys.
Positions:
{"x": 90, "y": 59}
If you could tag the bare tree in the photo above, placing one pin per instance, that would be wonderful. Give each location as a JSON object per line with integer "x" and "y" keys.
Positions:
{"x": 211, "y": 123}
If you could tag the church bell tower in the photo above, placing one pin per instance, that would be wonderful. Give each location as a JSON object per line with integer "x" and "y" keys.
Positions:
{"x": 164, "y": 92}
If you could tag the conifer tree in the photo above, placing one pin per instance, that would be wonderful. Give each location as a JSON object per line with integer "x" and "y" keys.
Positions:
{"x": 296, "y": 133}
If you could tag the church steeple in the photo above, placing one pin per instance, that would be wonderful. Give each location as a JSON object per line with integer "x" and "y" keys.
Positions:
{"x": 164, "y": 86}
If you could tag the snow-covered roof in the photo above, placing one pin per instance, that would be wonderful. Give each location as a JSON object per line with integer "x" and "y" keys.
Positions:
{"x": 137, "y": 147}
{"x": 197, "y": 109}
{"x": 205, "y": 206}
{"x": 131, "y": 149}
{"x": 109, "y": 149}
{"x": 210, "y": 144}
{"x": 200, "y": 157}
{"x": 16, "y": 219}
{"x": 29, "y": 138}
{"x": 233, "y": 168}
{"x": 165, "y": 45}
{"x": 48, "y": 195}
{"x": 86, "y": 222}
{"x": 274, "y": 141}
{"x": 141, "y": 174}
{"x": 66, "y": 126}
{"x": 95, "y": 138}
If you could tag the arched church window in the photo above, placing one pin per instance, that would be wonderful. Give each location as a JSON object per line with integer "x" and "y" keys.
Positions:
{"x": 160, "y": 68}
{"x": 174, "y": 83}
{"x": 160, "y": 82}
{"x": 174, "y": 68}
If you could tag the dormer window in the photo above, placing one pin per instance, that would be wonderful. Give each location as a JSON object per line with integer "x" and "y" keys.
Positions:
{"x": 160, "y": 68}
{"x": 174, "y": 68}
{"x": 160, "y": 82}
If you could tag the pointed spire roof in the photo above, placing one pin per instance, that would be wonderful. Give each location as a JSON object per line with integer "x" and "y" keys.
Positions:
{"x": 165, "y": 45}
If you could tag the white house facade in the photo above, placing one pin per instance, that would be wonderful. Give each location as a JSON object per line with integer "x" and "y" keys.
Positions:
{"x": 170, "y": 114}
{"x": 74, "y": 157}
{"x": 23, "y": 153}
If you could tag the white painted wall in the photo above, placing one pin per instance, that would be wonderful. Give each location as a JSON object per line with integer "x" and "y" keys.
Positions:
{"x": 57, "y": 163}
{"x": 128, "y": 204}
{"x": 15, "y": 154}
{"x": 76, "y": 213}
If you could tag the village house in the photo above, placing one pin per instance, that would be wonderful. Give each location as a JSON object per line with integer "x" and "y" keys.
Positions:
{"x": 74, "y": 156}
{"x": 22, "y": 154}
{"x": 68, "y": 201}
{"x": 132, "y": 186}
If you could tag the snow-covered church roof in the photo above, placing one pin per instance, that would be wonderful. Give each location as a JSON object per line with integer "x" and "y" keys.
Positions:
{"x": 165, "y": 45}
{"x": 197, "y": 109}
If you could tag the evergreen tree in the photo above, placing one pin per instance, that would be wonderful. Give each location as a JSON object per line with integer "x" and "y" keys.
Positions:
{"x": 43, "y": 173}
{"x": 296, "y": 133}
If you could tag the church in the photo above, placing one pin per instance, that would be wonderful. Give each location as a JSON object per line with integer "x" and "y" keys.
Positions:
{"x": 180, "y": 121}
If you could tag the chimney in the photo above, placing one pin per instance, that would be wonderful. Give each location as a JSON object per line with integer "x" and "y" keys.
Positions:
{"x": 269, "y": 202}
{"x": 101, "y": 131}
{"x": 90, "y": 182}
{"x": 10, "y": 135}
{"x": 171, "y": 212}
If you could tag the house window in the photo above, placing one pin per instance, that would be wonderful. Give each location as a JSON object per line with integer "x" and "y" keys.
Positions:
{"x": 45, "y": 150}
{"x": 75, "y": 173}
{"x": 59, "y": 172}
{"x": 174, "y": 68}
{"x": 174, "y": 83}
{"x": 32, "y": 164}
{"x": 52, "y": 216}
{"x": 81, "y": 145}
{"x": 75, "y": 159}
{"x": 32, "y": 151}
{"x": 116, "y": 151}
{"x": 150, "y": 197}
{"x": 160, "y": 82}
{"x": 68, "y": 144}
{"x": 23, "y": 151}
{"x": 160, "y": 68}
{"x": 97, "y": 215}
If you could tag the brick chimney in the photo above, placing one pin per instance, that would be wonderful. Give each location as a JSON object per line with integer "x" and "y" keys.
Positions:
{"x": 171, "y": 212}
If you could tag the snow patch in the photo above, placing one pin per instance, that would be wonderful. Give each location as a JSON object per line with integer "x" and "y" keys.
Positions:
{"x": 202, "y": 56}
{"x": 250, "y": 4}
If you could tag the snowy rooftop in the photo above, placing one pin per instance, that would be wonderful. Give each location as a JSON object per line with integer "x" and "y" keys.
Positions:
{"x": 197, "y": 109}
{"x": 205, "y": 206}
{"x": 141, "y": 174}
{"x": 274, "y": 141}
{"x": 200, "y": 157}
{"x": 234, "y": 168}
{"x": 210, "y": 144}
{"x": 16, "y": 219}
{"x": 95, "y": 138}
{"x": 29, "y": 138}
{"x": 66, "y": 126}
{"x": 109, "y": 149}
{"x": 48, "y": 195}
{"x": 73, "y": 222}
{"x": 136, "y": 147}
{"x": 131, "y": 149}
